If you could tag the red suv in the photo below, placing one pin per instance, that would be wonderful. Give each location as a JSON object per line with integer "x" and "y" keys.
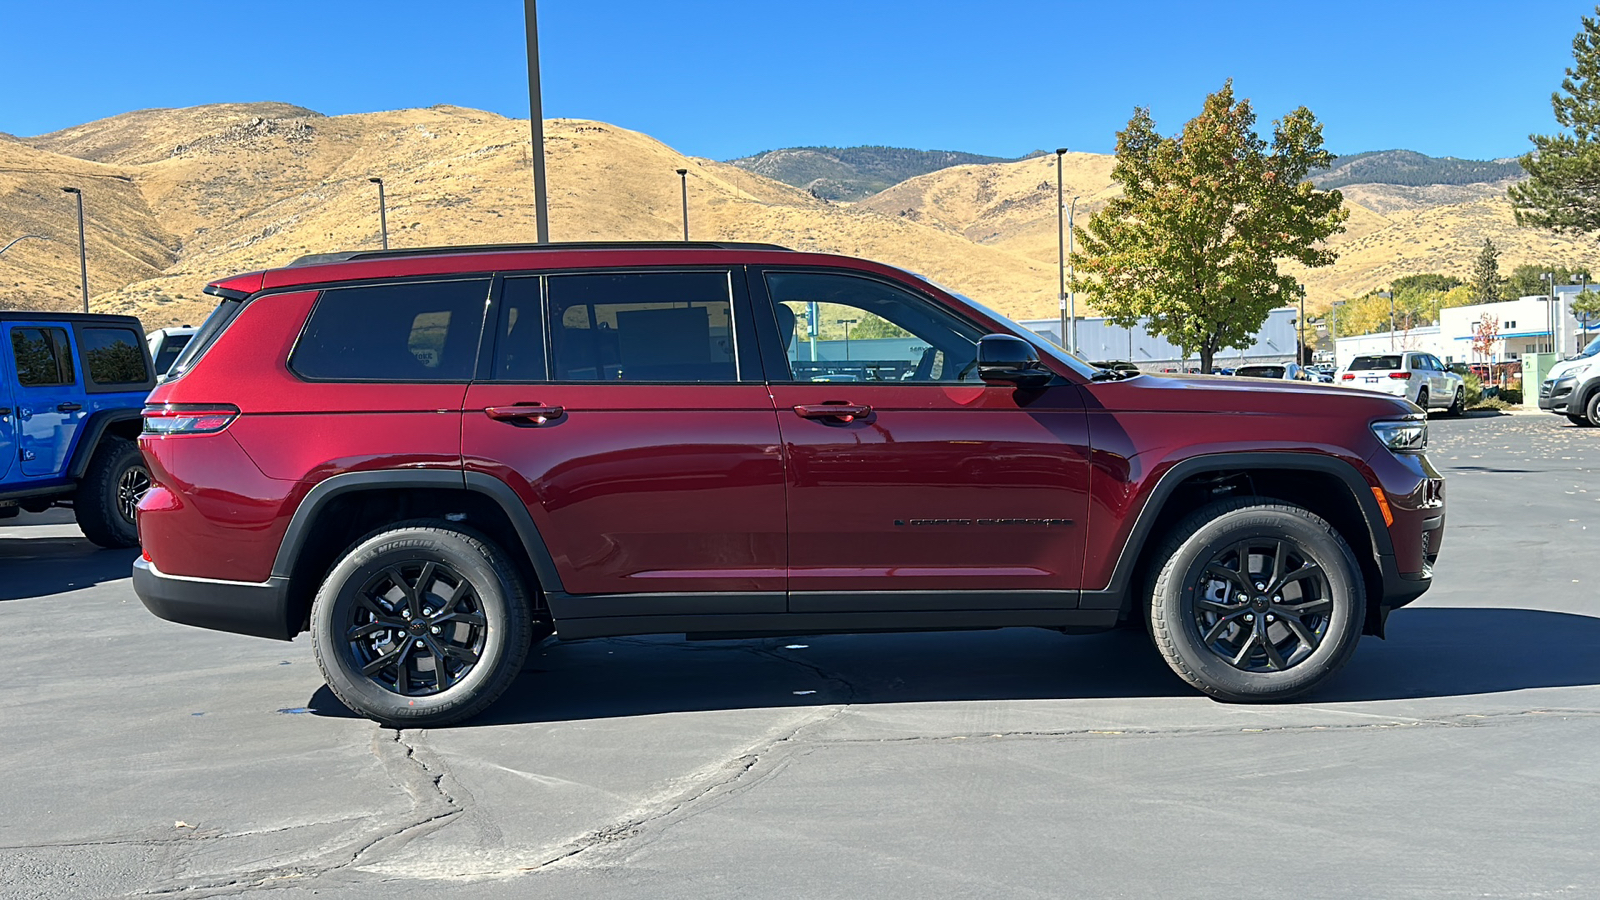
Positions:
{"x": 430, "y": 459}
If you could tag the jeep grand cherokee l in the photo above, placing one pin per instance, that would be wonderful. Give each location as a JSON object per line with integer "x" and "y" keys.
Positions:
{"x": 429, "y": 459}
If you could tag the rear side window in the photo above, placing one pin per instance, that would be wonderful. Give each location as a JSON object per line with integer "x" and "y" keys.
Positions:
{"x": 1374, "y": 362}
{"x": 214, "y": 324}
{"x": 112, "y": 356}
{"x": 43, "y": 356}
{"x": 647, "y": 326}
{"x": 413, "y": 331}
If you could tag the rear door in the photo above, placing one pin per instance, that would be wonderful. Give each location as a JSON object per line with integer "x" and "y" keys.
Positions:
{"x": 912, "y": 484}
{"x": 8, "y": 416}
{"x": 49, "y": 398}
{"x": 627, "y": 411}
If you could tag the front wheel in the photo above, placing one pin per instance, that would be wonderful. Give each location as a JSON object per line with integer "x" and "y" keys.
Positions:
{"x": 1256, "y": 601}
{"x": 1458, "y": 405}
{"x": 108, "y": 497}
{"x": 1591, "y": 410}
{"x": 421, "y": 624}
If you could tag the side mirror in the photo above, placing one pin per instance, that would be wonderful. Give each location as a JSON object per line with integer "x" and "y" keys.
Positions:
{"x": 1008, "y": 359}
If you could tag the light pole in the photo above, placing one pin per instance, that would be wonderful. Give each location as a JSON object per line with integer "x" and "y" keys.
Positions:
{"x": 83, "y": 252}
{"x": 1301, "y": 360}
{"x": 1550, "y": 308}
{"x": 1390, "y": 295}
{"x": 383, "y": 214}
{"x": 846, "y": 323}
{"x": 683, "y": 181}
{"x": 541, "y": 210}
{"x": 1061, "y": 250}
{"x": 19, "y": 240}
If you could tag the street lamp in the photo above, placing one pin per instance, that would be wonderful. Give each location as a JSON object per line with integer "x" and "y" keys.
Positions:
{"x": 83, "y": 252}
{"x": 1061, "y": 249}
{"x": 19, "y": 240}
{"x": 1302, "y": 360}
{"x": 1390, "y": 295}
{"x": 541, "y": 209}
{"x": 683, "y": 181}
{"x": 1072, "y": 277}
{"x": 846, "y": 323}
{"x": 383, "y": 214}
{"x": 1549, "y": 278}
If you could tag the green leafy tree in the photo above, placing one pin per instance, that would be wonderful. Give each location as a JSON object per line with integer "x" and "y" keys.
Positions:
{"x": 1562, "y": 192}
{"x": 1487, "y": 284}
{"x": 1193, "y": 242}
{"x": 1587, "y": 308}
{"x": 1528, "y": 279}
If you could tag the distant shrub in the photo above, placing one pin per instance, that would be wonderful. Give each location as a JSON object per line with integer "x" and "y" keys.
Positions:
{"x": 1472, "y": 388}
{"x": 1512, "y": 396}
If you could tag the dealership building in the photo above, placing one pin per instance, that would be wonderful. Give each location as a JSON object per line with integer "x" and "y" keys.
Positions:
{"x": 1100, "y": 340}
{"x": 1533, "y": 324}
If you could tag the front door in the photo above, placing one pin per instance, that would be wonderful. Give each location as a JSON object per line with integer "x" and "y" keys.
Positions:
{"x": 8, "y": 431}
{"x": 909, "y": 475}
{"x": 49, "y": 399}
{"x": 627, "y": 410}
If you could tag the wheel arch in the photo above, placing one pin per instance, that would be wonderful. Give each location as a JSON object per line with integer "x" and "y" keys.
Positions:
{"x": 341, "y": 509}
{"x": 1329, "y": 487}
{"x": 122, "y": 423}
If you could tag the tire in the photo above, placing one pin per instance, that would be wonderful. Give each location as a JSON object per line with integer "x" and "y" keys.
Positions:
{"x": 1458, "y": 405}
{"x": 472, "y": 611}
{"x": 1580, "y": 421}
{"x": 109, "y": 493}
{"x": 1591, "y": 410}
{"x": 1422, "y": 399}
{"x": 1328, "y": 604}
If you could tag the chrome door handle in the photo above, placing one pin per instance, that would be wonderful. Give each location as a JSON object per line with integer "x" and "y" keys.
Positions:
{"x": 531, "y": 413}
{"x": 842, "y": 412}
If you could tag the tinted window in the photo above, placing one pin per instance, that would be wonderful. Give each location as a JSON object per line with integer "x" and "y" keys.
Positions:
{"x": 656, "y": 326}
{"x": 112, "y": 356}
{"x": 394, "y": 332}
{"x": 519, "y": 348}
{"x": 44, "y": 358}
{"x": 214, "y": 324}
{"x": 844, "y": 328}
{"x": 1259, "y": 371}
{"x": 171, "y": 346}
{"x": 1374, "y": 362}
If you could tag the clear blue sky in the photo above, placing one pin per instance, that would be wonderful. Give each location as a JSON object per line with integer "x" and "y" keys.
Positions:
{"x": 724, "y": 79}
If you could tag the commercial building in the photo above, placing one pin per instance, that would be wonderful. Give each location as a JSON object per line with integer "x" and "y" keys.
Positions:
{"x": 1098, "y": 339}
{"x": 1533, "y": 324}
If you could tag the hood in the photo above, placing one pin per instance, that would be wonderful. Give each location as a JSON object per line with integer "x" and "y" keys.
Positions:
{"x": 1578, "y": 365}
{"x": 1225, "y": 393}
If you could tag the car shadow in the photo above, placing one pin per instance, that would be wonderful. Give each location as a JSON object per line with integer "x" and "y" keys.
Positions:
{"x": 1431, "y": 652}
{"x": 45, "y": 566}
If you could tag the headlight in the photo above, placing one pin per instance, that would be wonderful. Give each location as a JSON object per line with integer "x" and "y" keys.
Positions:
{"x": 1404, "y": 436}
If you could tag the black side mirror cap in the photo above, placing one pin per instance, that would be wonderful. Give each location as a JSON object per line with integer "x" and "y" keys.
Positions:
{"x": 1008, "y": 359}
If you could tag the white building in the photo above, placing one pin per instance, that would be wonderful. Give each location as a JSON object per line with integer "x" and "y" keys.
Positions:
{"x": 1098, "y": 340}
{"x": 1535, "y": 324}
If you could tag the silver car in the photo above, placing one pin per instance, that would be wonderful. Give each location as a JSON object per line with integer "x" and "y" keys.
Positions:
{"x": 1416, "y": 376}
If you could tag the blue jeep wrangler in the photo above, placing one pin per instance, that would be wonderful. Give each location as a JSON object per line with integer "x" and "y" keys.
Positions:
{"x": 71, "y": 388}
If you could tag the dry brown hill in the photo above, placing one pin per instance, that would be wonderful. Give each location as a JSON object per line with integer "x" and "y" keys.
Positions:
{"x": 247, "y": 186}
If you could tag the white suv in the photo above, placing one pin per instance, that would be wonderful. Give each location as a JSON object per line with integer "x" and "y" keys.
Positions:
{"x": 1418, "y": 377}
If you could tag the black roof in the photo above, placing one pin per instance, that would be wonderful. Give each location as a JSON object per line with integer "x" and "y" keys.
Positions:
{"x": 317, "y": 259}
{"x": 12, "y": 315}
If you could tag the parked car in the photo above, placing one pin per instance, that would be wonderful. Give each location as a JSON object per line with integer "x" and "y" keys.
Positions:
{"x": 1572, "y": 388}
{"x": 166, "y": 344}
{"x": 1280, "y": 371}
{"x": 427, "y": 459}
{"x": 1418, "y": 377}
{"x": 1116, "y": 365}
{"x": 71, "y": 389}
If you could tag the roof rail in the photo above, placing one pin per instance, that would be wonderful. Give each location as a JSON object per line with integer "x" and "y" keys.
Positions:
{"x": 317, "y": 259}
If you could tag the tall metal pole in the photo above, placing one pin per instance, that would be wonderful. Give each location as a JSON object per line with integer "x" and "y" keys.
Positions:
{"x": 83, "y": 251}
{"x": 683, "y": 179}
{"x": 1061, "y": 250}
{"x": 383, "y": 214}
{"x": 536, "y": 115}
{"x": 1072, "y": 276}
{"x": 1302, "y": 322}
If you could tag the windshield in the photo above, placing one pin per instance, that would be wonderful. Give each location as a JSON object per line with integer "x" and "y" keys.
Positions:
{"x": 1045, "y": 348}
{"x": 1591, "y": 350}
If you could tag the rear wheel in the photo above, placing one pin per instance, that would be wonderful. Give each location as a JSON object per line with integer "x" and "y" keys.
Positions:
{"x": 1422, "y": 398}
{"x": 1256, "y": 601}
{"x": 108, "y": 497}
{"x": 421, "y": 624}
{"x": 1459, "y": 404}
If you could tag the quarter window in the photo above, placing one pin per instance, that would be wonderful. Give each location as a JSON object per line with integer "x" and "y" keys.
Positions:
{"x": 646, "y": 326}
{"x": 43, "y": 356}
{"x": 112, "y": 356}
{"x": 412, "y": 331}
{"x": 844, "y": 328}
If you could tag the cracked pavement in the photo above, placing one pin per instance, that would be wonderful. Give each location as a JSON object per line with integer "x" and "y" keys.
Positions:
{"x": 1459, "y": 757}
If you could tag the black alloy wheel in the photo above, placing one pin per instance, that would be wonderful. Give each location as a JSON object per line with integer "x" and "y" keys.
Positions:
{"x": 1262, "y": 605}
{"x": 131, "y": 488}
{"x": 416, "y": 629}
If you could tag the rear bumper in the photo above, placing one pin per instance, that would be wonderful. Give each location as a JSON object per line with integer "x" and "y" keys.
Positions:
{"x": 259, "y": 610}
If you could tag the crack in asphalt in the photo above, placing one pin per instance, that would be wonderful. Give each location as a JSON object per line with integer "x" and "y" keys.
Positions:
{"x": 409, "y": 767}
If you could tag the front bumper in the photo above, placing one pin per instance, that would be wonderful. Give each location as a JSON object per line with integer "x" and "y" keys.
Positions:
{"x": 1556, "y": 395}
{"x": 242, "y": 607}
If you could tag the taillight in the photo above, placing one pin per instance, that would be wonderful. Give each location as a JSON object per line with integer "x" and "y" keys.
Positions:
{"x": 1347, "y": 377}
{"x": 188, "y": 418}
{"x": 1399, "y": 374}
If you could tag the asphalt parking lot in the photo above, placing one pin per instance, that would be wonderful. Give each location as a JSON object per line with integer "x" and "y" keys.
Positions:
{"x": 1459, "y": 757}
